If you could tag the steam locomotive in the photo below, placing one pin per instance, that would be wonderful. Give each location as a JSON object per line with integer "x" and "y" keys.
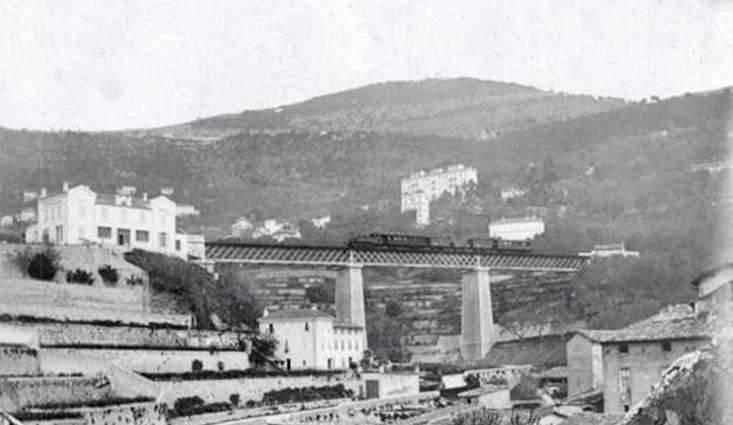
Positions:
{"x": 397, "y": 241}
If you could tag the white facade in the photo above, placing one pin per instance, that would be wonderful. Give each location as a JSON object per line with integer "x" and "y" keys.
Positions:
{"x": 610, "y": 250}
{"x": 516, "y": 229}
{"x": 508, "y": 193}
{"x": 79, "y": 215}
{"x": 433, "y": 183}
{"x": 311, "y": 339}
{"x": 187, "y": 211}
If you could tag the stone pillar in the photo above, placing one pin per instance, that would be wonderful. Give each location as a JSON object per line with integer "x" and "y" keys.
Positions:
{"x": 477, "y": 321}
{"x": 350, "y": 297}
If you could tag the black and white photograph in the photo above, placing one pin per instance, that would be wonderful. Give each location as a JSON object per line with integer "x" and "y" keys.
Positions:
{"x": 364, "y": 212}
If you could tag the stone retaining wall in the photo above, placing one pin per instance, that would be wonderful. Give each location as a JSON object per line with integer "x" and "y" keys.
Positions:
{"x": 54, "y": 360}
{"x": 17, "y": 393}
{"x": 247, "y": 388}
{"x": 18, "y": 359}
{"x": 88, "y": 335}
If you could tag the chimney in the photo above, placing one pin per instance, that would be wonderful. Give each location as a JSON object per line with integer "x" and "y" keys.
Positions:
{"x": 44, "y": 192}
{"x": 65, "y": 186}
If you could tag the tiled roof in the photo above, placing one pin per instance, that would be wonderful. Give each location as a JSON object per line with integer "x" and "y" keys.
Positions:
{"x": 297, "y": 314}
{"x": 655, "y": 328}
{"x": 485, "y": 389}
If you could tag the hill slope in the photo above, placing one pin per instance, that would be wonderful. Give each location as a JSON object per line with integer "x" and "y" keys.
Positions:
{"x": 462, "y": 107}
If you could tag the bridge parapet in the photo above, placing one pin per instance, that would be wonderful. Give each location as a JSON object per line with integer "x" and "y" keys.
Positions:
{"x": 343, "y": 257}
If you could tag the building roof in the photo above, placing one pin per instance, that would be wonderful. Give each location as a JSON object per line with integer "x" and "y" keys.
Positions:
{"x": 517, "y": 220}
{"x": 590, "y": 418}
{"x": 484, "y": 389}
{"x": 656, "y": 328}
{"x": 347, "y": 325}
{"x": 555, "y": 373}
{"x": 301, "y": 313}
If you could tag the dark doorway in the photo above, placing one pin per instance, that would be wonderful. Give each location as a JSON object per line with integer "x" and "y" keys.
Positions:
{"x": 123, "y": 237}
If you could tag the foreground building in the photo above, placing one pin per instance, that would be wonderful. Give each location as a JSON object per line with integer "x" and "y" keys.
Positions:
{"x": 312, "y": 339}
{"x": 78, "y": 214}
{"x": 626, "y": 363}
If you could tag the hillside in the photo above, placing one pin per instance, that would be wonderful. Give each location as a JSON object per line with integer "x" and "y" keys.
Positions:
{"x": 623, "y": 174}
{"x": 462, "y": 107}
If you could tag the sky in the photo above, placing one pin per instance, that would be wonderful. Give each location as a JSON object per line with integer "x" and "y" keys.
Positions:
{"x": 115, "y": 64}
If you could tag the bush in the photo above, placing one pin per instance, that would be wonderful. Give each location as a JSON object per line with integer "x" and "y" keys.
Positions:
{"x": 22, "y": 259}
{"x": 251, "y": 404}
{"x": 526, "y": 389}
{"x": 298, "y": 395}
{"x": 80, "y": 276}
{"x": 197, "y": 366}
{"x": 220, "y": 365}
{"x": 109, "y": 274}
{"x": 135, "y": 281}
{"x": 187, "y": 403}
{"x": 234, "y": 399}
{"x": 44, "y": 264}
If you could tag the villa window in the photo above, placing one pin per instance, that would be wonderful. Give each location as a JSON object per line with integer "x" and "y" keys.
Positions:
{"x": 307, "y": 327}
{"x": 162, "y": 239}
{"x": 104, "y": 232}
{"x": 623, "y": 348}
{"x": 272, "y": 328}
{"x": 142, "y": 235}
{"x": 666, "y": 346}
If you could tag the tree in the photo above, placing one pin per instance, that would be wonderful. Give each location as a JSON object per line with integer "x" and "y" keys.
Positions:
{"x": 44, "y": 264}
{"x": 263, "y": 349}
{"x": 393, "y": 308}
{"x": 317, "y": 294}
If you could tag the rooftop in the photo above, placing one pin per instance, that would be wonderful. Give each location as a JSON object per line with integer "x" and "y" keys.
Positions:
{"x": 516, "y": 220}
{"x": 486, "y": 389}
{"x": 301, "y": 313}
{"x": 108, "y": 199}
{"x": 662, "y": 326}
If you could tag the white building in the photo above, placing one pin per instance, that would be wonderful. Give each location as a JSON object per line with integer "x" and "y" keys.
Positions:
{"x": 610, "y": 250}
{"x": 512, "y": 192}
{"x": 321, "y": 219}
{"x": 78, "y": 215}
{"x": 516, "y": 229}
{"x": 312, "y": 339}
{"x": 278, "y": 230}
{"x": 426, "y": 186}
{"x": 187, "y": 211}
{"x": 242, "y": 227}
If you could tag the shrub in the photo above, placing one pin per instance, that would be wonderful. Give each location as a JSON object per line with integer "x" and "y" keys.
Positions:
{"x": 135, "y": 281}
{"x": 498, "y": 380}
{"x": 526, "y": 389}
{"x": 44, "y": 264}
{"x": 187, "y": 403}
{"x": 472, "y": 381}
{"x": 79, "y": 276}
{"x": 109, "y": 274}
{"x": 197, "y": 366}
{"x": 234, "y": 399}
{"x": 297, "y": 395}
{"x": 220, "y": 365}
{"x": 251, "y": 403}
{"x": 22, "y": 259}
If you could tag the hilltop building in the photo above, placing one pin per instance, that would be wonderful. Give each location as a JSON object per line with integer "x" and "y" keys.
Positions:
{"x": 423, "y": 187}
{"x": 78, "y": 214}
{"x": 517, "y": 229}
{"x": 312, "y": 339}
{"x": 278, "y": 230}
{"x": 183, "y": 210}
{"x": 242, "y": 227}
{"x": 610, "y": 250}
{"x": 511, "y": 192}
